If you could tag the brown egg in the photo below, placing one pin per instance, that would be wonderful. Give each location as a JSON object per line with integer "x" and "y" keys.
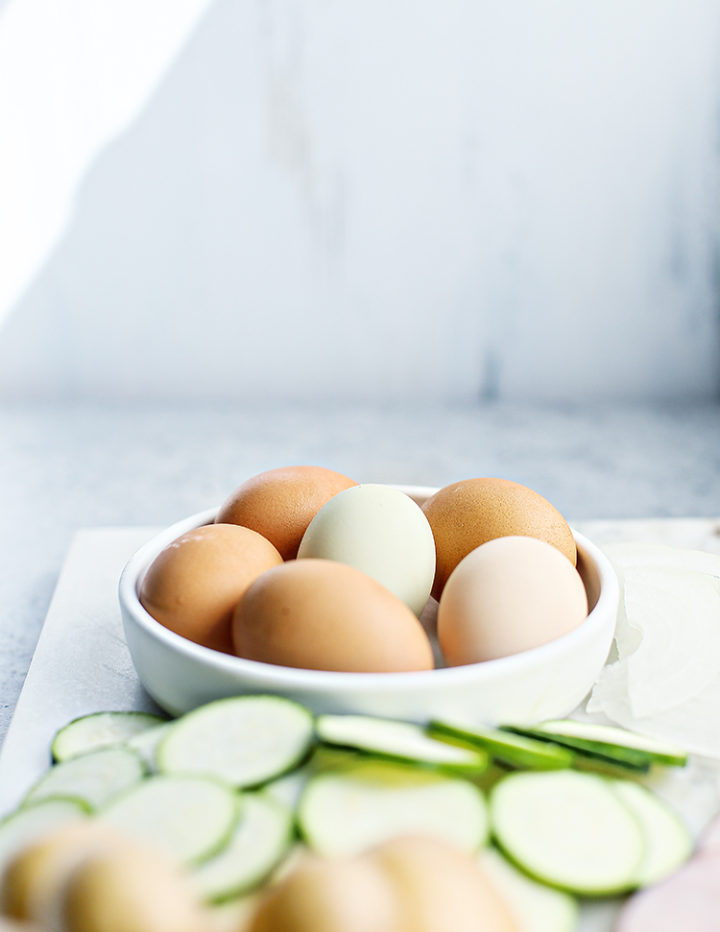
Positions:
{"x": 280, "y": 503}
{"x": 465, "y": 514}
{"x": 508, "y": 595}
{"x": 194, "y": 584}
{"x": 322, "y": 615}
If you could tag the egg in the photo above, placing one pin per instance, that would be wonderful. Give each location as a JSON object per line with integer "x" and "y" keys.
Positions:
{"x": 441, "y": 888}
{"x": 468, "y": 513}
{"x": 128, "y": 889}
{"x": 280, "y": 503}
{"x": 323, "y": 615}
{"x": 506, "y": 596}
{"x": 33, "y": 878}
{"x": 194, "y": 584}
{"x": 381, "y": 531}
{"x": 408, "y": 884}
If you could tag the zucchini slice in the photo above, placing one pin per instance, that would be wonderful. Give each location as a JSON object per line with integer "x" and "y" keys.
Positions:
{"x": 512, "y": 749}
{"x": 244, "y": 741}
{"x": 192, "y": 818}
{"x": 95, "y": 777}
{"x": 397, "y": 741}
{"x": 569, "y": 830}
{"x": 145, "y": 744}
{"x": 99, "y": 730}
{"x": 534, "y": 906}
{"x": 626, "y": 759}
{"x": 609, "y": 741}
{"x": 346, "y": 811}
{"x": 668, "y": 843}
{"x": 261, "y": 839}
{"x": 288, "y": 787}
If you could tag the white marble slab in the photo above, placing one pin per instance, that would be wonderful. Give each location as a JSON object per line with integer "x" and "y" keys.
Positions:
{"x": 82, "y": 665}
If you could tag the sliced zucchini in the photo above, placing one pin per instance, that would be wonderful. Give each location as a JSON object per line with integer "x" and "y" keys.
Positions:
{"x": 288, "y": 787}
{"x": 569, "y": 830}
{"x": 145, "y": 743}
{"x": 261, "y": 839}
{"x": 618, "y": 739}
{"x": 624, "y": 758}
{"x": 24, "y": 825}
{"x": 244, "y": 741}
{"x": 99, "y": 730}
{"x": 345, "y": 811}
{"x": 192, "y": 818}
{"x": 95, "y": 777}
{"x": 668, "y": 843}
{"x": 512, "y": 749}
{"x": 397, "y": 741}
{"x": 616, "y": 743}
{"x": 534, "y": 906}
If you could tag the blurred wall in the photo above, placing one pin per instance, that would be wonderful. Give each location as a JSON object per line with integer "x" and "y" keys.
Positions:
{"x": 395, "y": 200}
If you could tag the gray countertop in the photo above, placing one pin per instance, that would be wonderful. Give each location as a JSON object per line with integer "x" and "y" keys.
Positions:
{"x": 66, "y": 467}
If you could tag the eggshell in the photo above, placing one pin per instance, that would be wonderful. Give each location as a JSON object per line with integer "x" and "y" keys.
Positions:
{"x": 280, "y": 503}
{"x": 381, "y": 531}
{"x": 507, "y": 596}
{"x": 322, "y": 615}
{"x": 334, "y": 895}
{"x": 466, "y": 514}
{"x": 194, "y": 584}
{"x": 33, "y": 878}
{"x": 442, "y": 888}
{"x": 409, "y": 884}
{"x": 129, "y": 889}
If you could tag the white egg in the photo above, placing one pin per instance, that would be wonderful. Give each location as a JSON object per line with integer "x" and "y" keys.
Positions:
{"x": 380, "y": 531}
{"x": 508, "y": 595}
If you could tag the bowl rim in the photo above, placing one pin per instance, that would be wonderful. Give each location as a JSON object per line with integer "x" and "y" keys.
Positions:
{"x": 301, "y": 678}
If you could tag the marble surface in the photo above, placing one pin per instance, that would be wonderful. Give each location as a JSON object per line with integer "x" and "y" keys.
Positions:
{"x": 82, "y": 664}
{"x": 67, "y": 467}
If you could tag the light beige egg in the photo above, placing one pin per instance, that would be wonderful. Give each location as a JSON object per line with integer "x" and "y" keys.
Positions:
{"x": 468, "y": 513}
{"x": 333, "y": 895}
{"x": 322, "y": 615}
{"x": 280, "y": 503}
{"x": 128, "y": 889}
{"x": 407, "y": 884}
{"x": 34, "y": 877}
{"x": 508, "y": 595}
{"x": 441, "y": 888}
{"x": 194, "y": 584}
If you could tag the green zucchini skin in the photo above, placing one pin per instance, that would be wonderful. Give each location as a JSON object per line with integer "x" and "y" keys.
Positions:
{"x": 99, "y": 730}
{"x": 246, "y": 741}
{"x": 568, "y": 830}
{"x": 606, "y": 741}
{"x": 398, "y": 741}
{"x": 515, "y": 750}
{"x": 636, "y": 761}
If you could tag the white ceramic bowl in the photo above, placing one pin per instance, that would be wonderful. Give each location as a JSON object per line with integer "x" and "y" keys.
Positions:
{"x": 545, "y": 682}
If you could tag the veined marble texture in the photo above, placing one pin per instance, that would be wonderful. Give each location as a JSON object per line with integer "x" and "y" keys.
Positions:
{"x": 396, "y": 200}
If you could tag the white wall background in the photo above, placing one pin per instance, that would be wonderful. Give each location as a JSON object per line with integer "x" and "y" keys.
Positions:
{"x": 389, "y": 200}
